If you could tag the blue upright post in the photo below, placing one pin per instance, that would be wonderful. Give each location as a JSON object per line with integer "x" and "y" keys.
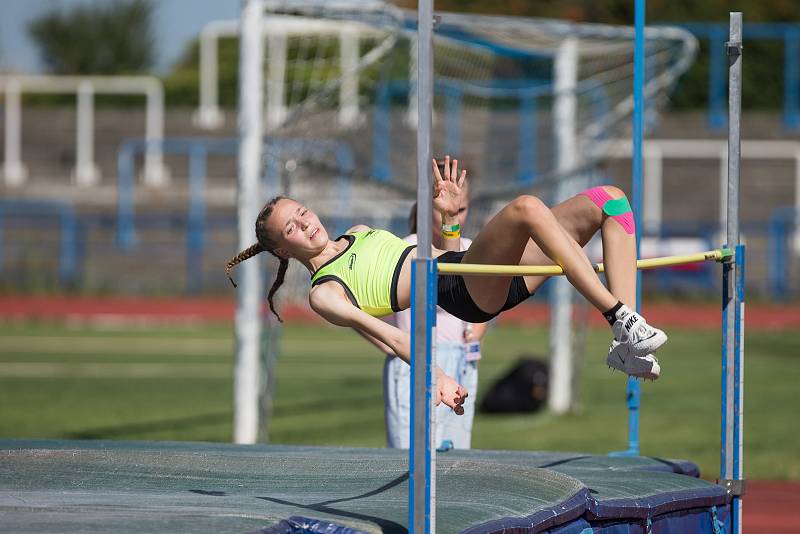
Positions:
{"x": 732, "y": 396}
{"x": 423, "y": 301}
{"x": 727, "y": 290}
{"x": 738, "y": 388}
{"x": 633, "y": 391}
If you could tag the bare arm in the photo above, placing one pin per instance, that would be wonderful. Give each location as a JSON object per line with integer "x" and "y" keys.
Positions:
{"x": 329, "y": 301}
{"x": 380, "y": 345}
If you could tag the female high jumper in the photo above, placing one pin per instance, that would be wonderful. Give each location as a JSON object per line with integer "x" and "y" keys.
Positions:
{"x": 366, "y": 273}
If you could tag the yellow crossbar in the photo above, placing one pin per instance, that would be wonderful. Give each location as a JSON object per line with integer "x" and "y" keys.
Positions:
{"x": 555, "y": 270}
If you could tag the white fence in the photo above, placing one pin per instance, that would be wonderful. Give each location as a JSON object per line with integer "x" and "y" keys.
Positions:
{"x": 657, "y": 150}
{"x": 86, "y": 172}
{"x": 277, "y": 29}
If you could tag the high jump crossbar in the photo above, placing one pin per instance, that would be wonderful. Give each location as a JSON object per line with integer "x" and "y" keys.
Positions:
{"x": 719, "y": 255}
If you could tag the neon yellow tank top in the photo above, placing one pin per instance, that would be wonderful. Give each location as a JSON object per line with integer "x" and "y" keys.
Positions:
{"x": 368, "y": 269}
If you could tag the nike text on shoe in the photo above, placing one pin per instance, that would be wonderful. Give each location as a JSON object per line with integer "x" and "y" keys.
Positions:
{"x": 632, "y": 330}
{"x": 621, "y": 359}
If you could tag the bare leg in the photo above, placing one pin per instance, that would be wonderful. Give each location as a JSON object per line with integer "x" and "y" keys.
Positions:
{"x": 581, "y": 218}
{"x": 619, "y": 257}
{"x": 513, "y": 237}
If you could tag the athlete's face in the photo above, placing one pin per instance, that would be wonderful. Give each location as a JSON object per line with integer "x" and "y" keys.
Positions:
{"x": 296, "y": 230}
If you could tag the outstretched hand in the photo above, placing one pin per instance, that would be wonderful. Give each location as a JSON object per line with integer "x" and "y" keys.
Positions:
{"x": 447, "y": 187}
{"x": 450, "y": 392}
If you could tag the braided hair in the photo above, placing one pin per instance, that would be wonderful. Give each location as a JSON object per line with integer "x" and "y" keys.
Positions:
{"x": 264, "y": 244}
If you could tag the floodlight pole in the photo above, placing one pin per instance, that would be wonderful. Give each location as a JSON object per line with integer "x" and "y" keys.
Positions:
{"x": 731, "y": 427}
{"x": 422, "y": 455}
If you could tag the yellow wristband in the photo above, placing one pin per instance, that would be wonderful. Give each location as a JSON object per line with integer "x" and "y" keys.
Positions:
{"x": 451, "y": 235}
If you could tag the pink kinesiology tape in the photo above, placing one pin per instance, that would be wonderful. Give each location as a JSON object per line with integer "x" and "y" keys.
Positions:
{"x": 600, "y": 196}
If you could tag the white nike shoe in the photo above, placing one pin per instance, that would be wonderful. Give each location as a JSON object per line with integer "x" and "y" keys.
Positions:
{"x": 632, "y": 330}
{"x": 621, "y": 359}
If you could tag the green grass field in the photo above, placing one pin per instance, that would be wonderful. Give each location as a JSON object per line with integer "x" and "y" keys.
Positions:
{"x": 176, "y": 383}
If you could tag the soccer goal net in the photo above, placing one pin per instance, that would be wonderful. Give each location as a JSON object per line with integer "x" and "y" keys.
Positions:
{"x": 524, "y": 103}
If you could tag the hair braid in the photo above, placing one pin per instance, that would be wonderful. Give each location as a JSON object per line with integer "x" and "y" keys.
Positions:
{"x": 265, "y": 244}
{"x": 277, "y": 284}
{"x": 246, "y": 254}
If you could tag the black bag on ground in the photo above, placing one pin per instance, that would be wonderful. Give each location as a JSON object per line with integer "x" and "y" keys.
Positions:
{"x": 522, "y": 389}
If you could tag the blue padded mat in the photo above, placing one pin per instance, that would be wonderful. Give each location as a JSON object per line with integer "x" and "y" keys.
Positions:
{"x": 102, "y": 486}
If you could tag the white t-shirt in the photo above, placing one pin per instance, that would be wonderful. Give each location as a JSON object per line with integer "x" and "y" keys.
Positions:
{"x": 449, "y": 329}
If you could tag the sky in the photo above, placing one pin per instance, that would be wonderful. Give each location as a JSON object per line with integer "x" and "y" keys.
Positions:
{"x": 176, "y": 22}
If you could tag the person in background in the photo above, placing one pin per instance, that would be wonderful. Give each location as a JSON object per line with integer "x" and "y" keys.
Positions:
{"x": 457, "y": 353}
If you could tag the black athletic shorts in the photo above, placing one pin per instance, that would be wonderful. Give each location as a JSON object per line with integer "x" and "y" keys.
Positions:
{"x": 453, "y": 297}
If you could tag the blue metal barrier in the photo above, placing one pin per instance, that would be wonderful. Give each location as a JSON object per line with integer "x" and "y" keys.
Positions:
{"x": 782, "y": 225}
{"x": 68, "y": 222}
{"x": 716, "y": 33}
{"x": 196, "y": 218}
{"x": 195, "y": 149}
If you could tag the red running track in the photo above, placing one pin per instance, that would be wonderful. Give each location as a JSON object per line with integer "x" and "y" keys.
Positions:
{"x": 771, "y": 507}
{"x": 22, "y": 307}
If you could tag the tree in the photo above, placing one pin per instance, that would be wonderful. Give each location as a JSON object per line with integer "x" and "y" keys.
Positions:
{"x": 113, "y": 39}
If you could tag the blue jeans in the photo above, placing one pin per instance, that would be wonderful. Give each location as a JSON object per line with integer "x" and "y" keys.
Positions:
{"x": 397, "y": 399}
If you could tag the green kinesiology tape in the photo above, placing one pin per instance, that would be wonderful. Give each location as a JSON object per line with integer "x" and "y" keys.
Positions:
{"x": 617, "y": 206}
